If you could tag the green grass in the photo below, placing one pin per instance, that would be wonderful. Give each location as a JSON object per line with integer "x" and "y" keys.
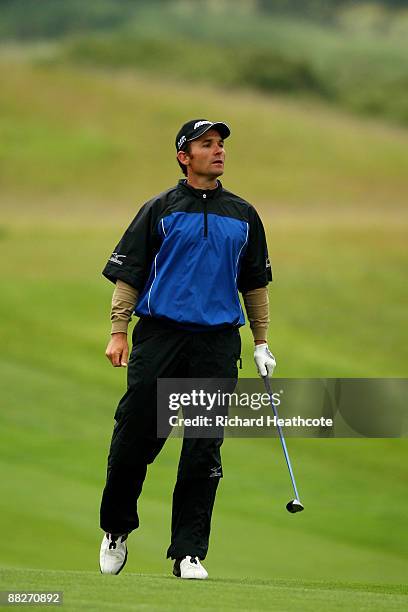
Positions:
{"x": 59, "y": 393}
{"x": 80, "y": 152}
{"x": 76, "y": 140}
{"x": 88, "y": 591}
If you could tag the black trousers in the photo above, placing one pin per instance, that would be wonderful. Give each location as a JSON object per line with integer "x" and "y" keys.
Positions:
{"x": 161, "y": 351}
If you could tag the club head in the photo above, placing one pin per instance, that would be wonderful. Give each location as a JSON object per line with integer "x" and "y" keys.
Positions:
{"x": 294, "y": 506}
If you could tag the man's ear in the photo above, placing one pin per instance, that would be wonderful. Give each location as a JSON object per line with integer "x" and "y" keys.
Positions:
{"x": 183, "y": 157}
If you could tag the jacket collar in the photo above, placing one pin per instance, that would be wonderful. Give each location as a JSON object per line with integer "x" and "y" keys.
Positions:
{"x": 198, "y": 193}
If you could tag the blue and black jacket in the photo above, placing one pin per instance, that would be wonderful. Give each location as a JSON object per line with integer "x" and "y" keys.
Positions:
{"x": 188, "y": 252}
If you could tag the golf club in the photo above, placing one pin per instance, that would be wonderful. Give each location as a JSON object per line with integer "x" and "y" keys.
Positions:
{"x": 294, "y": 505}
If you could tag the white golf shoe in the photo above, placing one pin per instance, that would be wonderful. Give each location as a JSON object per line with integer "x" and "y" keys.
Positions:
{"x": 189, "y": 568}
{"x": 113, "y": 555}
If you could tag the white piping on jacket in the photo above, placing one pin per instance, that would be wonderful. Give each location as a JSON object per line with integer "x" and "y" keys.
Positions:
{"x": 155, "y": 273}
{"x": 236, "y": 265}
{"x": 240, "y": 251}
{"x": 151, "y": 286}
{"x": 164, "y": 231}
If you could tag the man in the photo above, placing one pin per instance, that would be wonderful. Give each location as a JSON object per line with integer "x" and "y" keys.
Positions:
{"x": 179, "y": 267}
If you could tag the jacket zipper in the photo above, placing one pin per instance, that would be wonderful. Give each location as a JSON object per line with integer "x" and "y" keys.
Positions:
{"x": 205, "y": 216}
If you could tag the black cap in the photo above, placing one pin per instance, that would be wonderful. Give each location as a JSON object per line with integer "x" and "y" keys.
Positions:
{"x": 197, "y": 127}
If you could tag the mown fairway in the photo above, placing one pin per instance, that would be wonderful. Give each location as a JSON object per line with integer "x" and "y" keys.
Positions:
{"x": 88, "y": 591}
{"x": 79, "y": 152}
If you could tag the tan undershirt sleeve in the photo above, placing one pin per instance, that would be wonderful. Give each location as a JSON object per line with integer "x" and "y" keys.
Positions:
{"x": 124, "y": 300}
{"x": 257, "y": 308}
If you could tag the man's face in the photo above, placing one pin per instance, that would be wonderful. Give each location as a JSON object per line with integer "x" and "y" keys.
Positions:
{"x": 206, "y": 156}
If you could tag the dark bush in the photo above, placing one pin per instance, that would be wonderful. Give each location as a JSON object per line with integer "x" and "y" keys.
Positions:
{"x": 270, "y": 71}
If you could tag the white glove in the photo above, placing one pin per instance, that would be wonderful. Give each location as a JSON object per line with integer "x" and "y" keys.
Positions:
{"x": 265, "y": 361}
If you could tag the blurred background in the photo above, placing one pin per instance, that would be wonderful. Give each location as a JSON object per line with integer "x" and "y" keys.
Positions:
{"x": 91, "y": 98}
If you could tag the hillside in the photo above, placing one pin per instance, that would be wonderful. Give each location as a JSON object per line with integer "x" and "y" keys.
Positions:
{"x": 80, "y": 150}
{"x": 83, "y": 135}
{"x": 351, "y": 54}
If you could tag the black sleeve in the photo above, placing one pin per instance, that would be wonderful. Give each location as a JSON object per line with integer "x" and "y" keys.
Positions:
{"x": 132, "y": 258}
{"x": 255, "y": 269}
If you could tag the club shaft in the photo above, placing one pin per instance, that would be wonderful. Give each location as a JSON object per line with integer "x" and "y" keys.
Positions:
{"x": 281, "y": 436}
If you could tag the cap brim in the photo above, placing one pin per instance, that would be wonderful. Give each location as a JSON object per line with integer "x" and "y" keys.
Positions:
{"x": 222, "y": 129}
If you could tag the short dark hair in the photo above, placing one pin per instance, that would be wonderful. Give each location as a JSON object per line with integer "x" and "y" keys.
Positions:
{"x": 183, "y": 167}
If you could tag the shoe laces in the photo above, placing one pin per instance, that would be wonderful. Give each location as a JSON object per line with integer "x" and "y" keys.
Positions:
{"x": 113, "y": 539}
{"x": 193, "y": 560}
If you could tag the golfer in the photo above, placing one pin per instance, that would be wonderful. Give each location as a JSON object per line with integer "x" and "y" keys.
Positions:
{"x": 179, "y": 267}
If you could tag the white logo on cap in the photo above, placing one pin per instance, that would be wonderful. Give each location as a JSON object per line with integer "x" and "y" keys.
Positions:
{"x": 200, "y": 123}
{"x": 181, "y": 142}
